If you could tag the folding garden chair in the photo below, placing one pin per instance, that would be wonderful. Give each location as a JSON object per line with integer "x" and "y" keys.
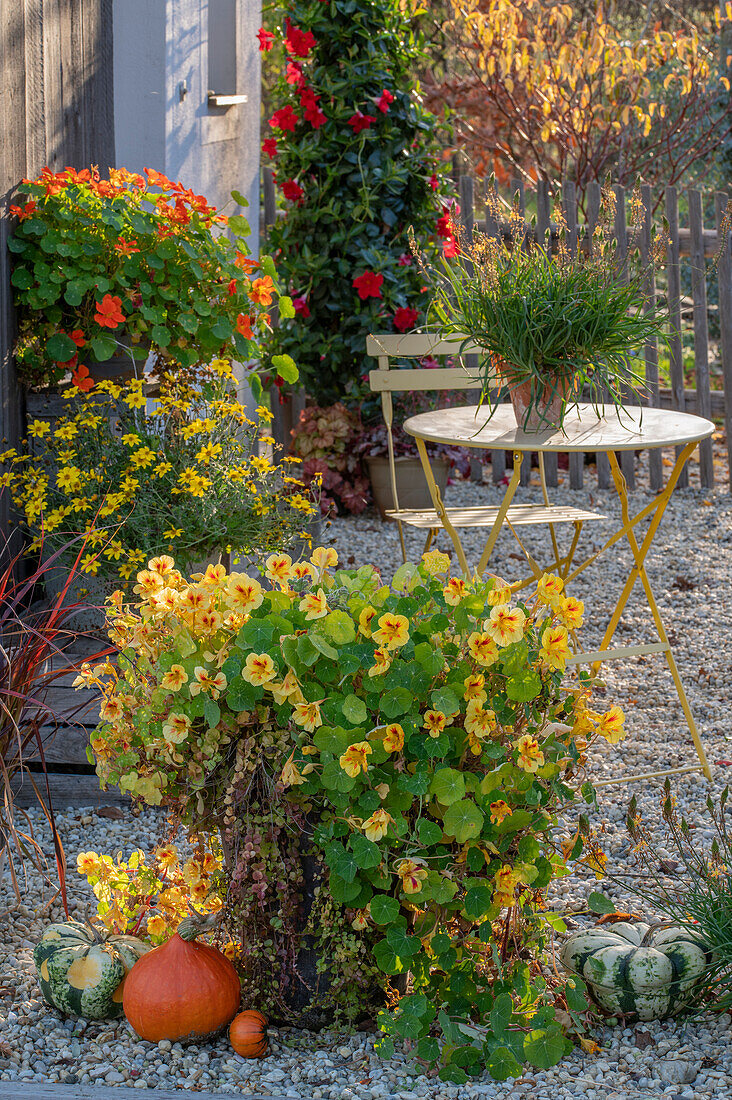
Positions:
{"x": 387, "y": 381}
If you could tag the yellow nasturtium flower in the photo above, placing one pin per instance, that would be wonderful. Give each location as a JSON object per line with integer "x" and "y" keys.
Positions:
{"x": 611, "y": 725}
{"x": 412, "y": 875}
{"x": 394, "y": 738}
{"x": 483, "y": 649}
{"x": 392, "y": 632}
{"x": 549, "y": 589}
{"x": 354, "y": 759}
{"x": 530, "y": 758}
{"x": 259, "y": 669}
{"x": 314, "y": 604}
{"x": 554, "y": 647}
{"x": 376, "y": 826}
{"x": 454, "y": 591}
{"x": 506, "y": 625}
{"x": 308, "y": 716}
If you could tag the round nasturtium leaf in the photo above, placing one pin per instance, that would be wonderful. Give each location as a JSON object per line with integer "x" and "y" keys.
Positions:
{"x": 463, "y": 820}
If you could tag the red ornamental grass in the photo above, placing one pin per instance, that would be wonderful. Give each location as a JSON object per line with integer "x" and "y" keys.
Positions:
{"x": 368, "y": 285}
{"x": 405, "y": 318}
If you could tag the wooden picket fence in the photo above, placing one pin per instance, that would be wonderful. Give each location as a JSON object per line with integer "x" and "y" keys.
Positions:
{"x": 692, "y": 241}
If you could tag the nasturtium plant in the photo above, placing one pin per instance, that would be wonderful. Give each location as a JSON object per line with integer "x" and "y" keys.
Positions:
{"x": 432, "y": 791}
{"x": 130, "y": 264}
{"x": 356, "y": 162}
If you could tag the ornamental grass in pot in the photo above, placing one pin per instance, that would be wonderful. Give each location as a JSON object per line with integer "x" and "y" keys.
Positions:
{"x": 425, "y": 736}
{"x": 558, "y": 326}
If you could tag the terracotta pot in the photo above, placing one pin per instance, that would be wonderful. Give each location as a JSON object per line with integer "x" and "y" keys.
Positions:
{"x": 538, "y": 412}
{"x": 411, "y": 484}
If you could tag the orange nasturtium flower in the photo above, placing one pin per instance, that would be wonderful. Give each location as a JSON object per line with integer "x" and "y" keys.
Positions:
{"x": 499, "y": 811}
{"x": 506, "y": 624}
{"x": 243, "y": 593}
{"x": 554, "y": 647}
{"x": 174, "y": 678}
{"x": 483, "y": 649}
{"x": 262, "y": 291}
{"x": 307, "y": 715}
{"x": 531, "y": 758}
{"x": 571, "y": 612}
{"x": 412, "y": 876}
{"x": 454, "y": 591}
{"x": 354, "y": 759}
{"x": 382, "y": 661}
{"x": 394, "y": 738}
{"x": 376, "y": 826}
{"x": 176, "y": 728}
{"x": 279, "y": 569}
{"x": 314, "y": 604}
{"x": 435, "y": 722}
{"x": 393, "y": 631}
{"x": 549, "y": 589}
{"x": 258, "y": 669}
{"x": 109, "y": 312}
{"x": 506, "y": 882}
{"x": 610, "y": 725}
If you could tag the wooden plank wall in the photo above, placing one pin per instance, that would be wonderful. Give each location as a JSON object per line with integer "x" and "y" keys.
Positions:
{"x": 56, "y": 109}
{"x": 694, "y": 241}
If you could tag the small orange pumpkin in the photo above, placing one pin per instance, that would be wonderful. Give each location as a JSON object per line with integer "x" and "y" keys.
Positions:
{"x": 248, "y": 1034}
{"x": 186, "y": 990}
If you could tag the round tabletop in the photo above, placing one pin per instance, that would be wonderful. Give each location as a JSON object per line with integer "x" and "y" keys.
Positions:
{"x": 632, "y": 428}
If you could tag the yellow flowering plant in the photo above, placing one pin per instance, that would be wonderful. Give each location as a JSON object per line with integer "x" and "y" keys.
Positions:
{"x": 178, "y": 472}
{"x": 430, "y": 733}
{"x": 148, "y": 895}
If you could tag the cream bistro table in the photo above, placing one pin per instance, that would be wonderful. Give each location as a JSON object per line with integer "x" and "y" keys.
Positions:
{"x": 585, "y": 429}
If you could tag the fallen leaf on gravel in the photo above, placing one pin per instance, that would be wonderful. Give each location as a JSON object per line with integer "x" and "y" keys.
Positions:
{"x": 112, "y": 812}
{"x": 644, "y": 1039}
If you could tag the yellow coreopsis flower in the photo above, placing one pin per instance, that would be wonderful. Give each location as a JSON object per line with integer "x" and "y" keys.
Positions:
{"x": 376, "y": 826}
{"x": 142, "y": 458}
{"x": 259, "y": 669}
{"x": 130, "y": 439}
{"x": 392, "y": 632}
{"x": 554, "y": 647}
{"x": 454, "y": 591}
{"x": 499, "y": 811}
{"x": 207, "y": 452}
{"x": 505, "y": 624}
{"x": 412, "y": 875}
{"x": 314, "y": 604}
{"x": 434, "y": 722}
{"x": 308, "y": 716}
{"x": 354, "y": 759}
{"x": 483, "y": 649}
{"x": 530, "y": 758}
{"x": 611, "y": 725}
{"x": 435, "y": 562}
{"x": 161, "y": 469}
{"x": 39, "y": 428}
{"x": 394, "y": 738}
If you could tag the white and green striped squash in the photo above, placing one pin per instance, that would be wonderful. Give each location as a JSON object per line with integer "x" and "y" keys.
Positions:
{"x": 81, "y": 972}
{"x": 638, "y": 970}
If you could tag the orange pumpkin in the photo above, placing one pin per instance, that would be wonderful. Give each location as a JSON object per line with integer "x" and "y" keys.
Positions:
{"x": 186, "y": 990}
{"x": 248, "y": 1034}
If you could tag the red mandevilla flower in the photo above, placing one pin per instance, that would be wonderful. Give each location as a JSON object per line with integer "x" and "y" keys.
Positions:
{"x": 298, "y": 43}
{"x": 315, "y": 116}
{"x": 384, "y": 100}
{"x": 405, "y": 318}
{"x": 368, "y": 285}
{"x": 284, "y": 119}
{"x": 266, "y": 40}
{"x": 292, "y": 191}
{"x": 405, "y": 260}
{"x": 300, "y": 305}
{"x": 360, "y": 121}
{"x": 434, "y": 183}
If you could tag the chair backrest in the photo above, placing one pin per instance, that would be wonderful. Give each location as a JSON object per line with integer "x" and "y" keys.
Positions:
{"x": 417, "y": 345}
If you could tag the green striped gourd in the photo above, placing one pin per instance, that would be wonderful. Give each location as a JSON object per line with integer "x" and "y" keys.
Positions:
{"x": 638, "y": 970}
{"x": 81, "y": 972}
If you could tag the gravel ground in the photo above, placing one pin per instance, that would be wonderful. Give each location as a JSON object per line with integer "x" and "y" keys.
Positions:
{"x": 690, "y": 566}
